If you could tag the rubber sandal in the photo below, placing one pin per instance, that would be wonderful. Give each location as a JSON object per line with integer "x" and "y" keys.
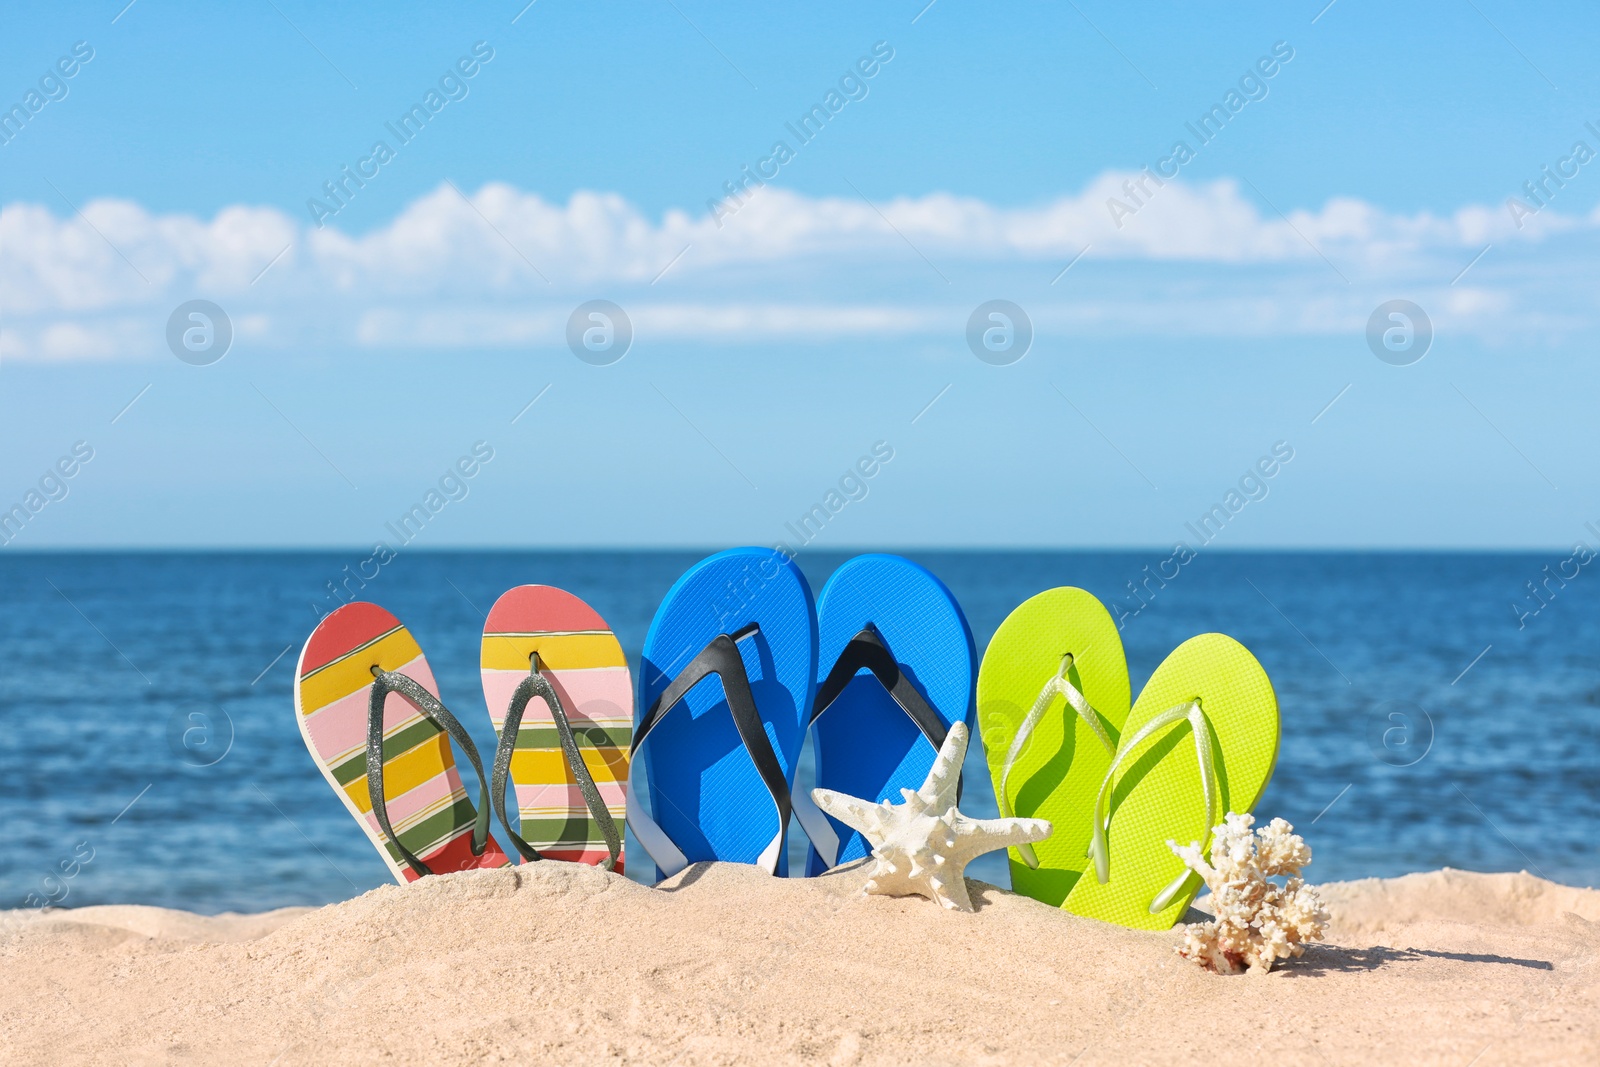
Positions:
{"x": 1052, "y": 698}
{"x": 897, "y": 672}
{"x": 561, "y": 698}
{"x": 370, "y": 715}
{"x": 724, "y": 690}
{"x": 1200, "y": 742}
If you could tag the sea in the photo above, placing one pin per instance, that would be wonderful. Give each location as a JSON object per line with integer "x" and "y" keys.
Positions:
{"x": 1438, "y": 709}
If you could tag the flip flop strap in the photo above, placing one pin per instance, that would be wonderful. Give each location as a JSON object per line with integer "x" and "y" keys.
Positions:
{"x": 865, "y": 651}
{"x": 868, "y": 650}
{"x": 537, "y": 685}
{"x": 721, "y": 658}
{"x": 384, "y": 683}
{"x": 1187, "y": 711}
{"x": 1057, "y": 686}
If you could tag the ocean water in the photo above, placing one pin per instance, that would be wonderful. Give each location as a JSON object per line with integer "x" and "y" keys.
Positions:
{"x": 1431, "y": 717}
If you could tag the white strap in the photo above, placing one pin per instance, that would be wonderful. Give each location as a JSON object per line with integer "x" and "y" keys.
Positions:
{"x": 768, "y": 860}
{"x": 1190, "y": 711}
{"x": 668, "y": 857}
{"x": 1057, "y": 686}
{"x": 816, "y": 826}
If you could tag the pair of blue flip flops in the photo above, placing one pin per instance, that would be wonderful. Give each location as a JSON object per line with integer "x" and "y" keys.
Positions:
{"x": 731, "y": 684}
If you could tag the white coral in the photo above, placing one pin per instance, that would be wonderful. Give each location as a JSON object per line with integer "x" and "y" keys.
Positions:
{"x": 1257, "y": 921}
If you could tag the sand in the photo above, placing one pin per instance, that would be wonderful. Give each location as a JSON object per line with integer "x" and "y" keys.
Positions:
{"x": 555, "y": 963}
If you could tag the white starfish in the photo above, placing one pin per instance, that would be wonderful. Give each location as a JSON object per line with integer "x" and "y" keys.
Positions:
{"x": 923, "y": 845}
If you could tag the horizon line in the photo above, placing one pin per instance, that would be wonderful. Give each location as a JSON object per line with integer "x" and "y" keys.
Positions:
{"x": 973, "y": 549}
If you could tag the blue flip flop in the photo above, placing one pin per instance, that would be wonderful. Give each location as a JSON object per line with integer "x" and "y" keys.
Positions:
{"x": 721, "y": 766}
{"x": 899, "y": 669}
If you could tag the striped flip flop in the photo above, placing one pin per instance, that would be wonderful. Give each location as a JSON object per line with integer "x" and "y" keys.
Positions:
{"x": 561, "y": 698}
{"x": 363, "y": 688}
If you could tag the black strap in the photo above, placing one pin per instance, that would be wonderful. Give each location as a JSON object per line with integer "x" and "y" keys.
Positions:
{"x": 721, "y": 657}
{"x": 386, "y": 682}
{"x": 537, "y": 685}
{"x": 867, "y": 650}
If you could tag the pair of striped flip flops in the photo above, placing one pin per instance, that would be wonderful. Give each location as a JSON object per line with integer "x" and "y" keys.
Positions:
{"x": 558, "y": 692}
{"x": 740, "y": 664}
{"x": 1118, "y": 783}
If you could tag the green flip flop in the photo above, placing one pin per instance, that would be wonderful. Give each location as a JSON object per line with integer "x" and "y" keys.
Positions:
{"x": 1162, "y": 787}
{"x": 1052, "y": 697}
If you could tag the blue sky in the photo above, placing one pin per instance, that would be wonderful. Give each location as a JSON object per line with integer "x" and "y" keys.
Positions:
{"x": 1180, "y": 330}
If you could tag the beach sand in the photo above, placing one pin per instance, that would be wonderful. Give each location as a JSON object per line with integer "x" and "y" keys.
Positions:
{"x": 557, "y": 963}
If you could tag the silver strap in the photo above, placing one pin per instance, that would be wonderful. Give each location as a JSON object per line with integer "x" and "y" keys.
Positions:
{"x": 1187, "y": 711}
{"x": 1057, "y": 686}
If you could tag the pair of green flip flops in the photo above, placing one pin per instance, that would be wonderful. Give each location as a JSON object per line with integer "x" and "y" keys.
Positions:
{"x": 1118, "y": 784}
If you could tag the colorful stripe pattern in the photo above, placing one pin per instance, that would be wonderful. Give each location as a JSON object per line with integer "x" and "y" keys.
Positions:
{"x": 583, "y": 662}
{"x": 428, "y": 807}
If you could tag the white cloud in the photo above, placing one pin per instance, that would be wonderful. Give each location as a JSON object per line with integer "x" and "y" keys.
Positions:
{"x": 399, "y": 327}
{"x": 118, "y": 254}
{"x": 506, "y": 268}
